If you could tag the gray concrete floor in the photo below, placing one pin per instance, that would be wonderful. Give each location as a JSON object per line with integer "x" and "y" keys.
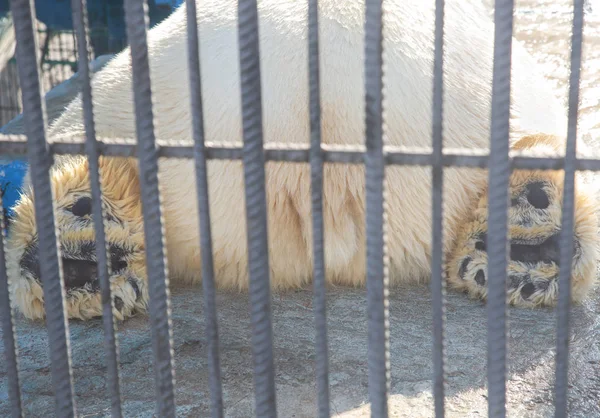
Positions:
{"x": 531, "y": 358}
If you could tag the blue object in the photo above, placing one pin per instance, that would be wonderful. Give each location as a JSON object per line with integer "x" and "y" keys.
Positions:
{"x": 106, "y": 19}
{"x": 57, "y": 14}
{"x": 12, "y": 174}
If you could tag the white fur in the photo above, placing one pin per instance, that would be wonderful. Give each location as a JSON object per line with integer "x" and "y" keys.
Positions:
{"x": 408, "y": 58}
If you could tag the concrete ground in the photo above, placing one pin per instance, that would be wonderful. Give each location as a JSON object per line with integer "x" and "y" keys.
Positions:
{"x": 530, "y": 386}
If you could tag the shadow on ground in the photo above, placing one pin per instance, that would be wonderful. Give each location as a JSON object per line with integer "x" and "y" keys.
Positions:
{"x": 531, "y": 358}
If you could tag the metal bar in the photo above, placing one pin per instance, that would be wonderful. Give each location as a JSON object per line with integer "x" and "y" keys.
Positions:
{"x": 378, "y": 326}
{"x": 40, "y": 162}
{"x": 80, "y": 23}
{"x": 567, "y": 229}
{"x": 11, "y": 350}
{"x": 437, "y": 178}
{"x": 499, "y": 174}
{"x": 15, "y": 145}
{"x": 316, "y": 166}
{"x": 160, "y": 311}
{"x": 256, "y": 210}
{"x": 208, "y": 276}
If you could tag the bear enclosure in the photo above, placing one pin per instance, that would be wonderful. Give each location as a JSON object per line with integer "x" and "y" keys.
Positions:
{"x": 254, "y": 154}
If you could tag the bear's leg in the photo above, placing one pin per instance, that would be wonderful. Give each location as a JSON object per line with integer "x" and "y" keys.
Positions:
{"x": 534, "y": 219}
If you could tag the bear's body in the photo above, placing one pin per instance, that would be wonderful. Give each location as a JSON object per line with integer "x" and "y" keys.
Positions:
{"x": 408, "y": 66}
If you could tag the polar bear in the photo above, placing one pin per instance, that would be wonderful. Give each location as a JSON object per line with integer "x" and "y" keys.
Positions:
{"x": 538, "y": 124}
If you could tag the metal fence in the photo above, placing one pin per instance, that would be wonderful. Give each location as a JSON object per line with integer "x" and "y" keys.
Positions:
{"x": 58, "y": 46}
{"x": 254, "y": 155}
{"x": 58, "y": 62}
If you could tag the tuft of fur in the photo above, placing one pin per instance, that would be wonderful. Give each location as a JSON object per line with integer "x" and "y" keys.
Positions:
{"x": 408, "y": 60}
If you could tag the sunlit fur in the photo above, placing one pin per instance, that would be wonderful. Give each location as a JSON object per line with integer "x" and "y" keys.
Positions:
{"x": 408, "y": 47}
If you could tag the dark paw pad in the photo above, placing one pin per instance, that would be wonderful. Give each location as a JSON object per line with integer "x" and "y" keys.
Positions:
{"x": 79, "y": 267}
{"x": 480, "y": 278}
{"x": 527, "y": 290}
{"x": 533, "y": 194}
{"x": 80, "y": 274}
{"x": 546, "y": 251}
{"x": 537, "y": 196}
{"x": 524, "y": 287}
{"x": 463, "y": 267}
{"x": 119, "y": 303}
{"x": 133, "y": 283}
{"x": 529, "y": 251}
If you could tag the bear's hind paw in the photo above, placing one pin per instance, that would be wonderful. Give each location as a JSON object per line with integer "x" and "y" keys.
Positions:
{"x": 534, "y": 219}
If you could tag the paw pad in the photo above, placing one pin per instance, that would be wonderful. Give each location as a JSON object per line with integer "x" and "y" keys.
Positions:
{"x": 537, "y": 196}
{"x": 527, "y": 290}
{"x": 119, "y": 303}
{"x": 480, "y": 278}
{"x": 463, "y": 267}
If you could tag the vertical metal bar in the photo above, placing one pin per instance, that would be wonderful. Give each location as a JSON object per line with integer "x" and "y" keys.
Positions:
{"x": 80, "y": 23}
{"x": 158, "y": 276}
{"x": 40, "y": 162}
{"x": 566, "y": 234}
{"x": 316, "y": 166}
{"x": 499, "y": 174}
{"x": 11, "y": 350}
{"x": 208, "y": 276}
{"x": 377, "y": 292}
{"x": 437, "y": 174}
{"x": 256, "y": 210}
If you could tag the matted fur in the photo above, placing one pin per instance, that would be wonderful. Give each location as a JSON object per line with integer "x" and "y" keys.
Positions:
{"x": 408, "y": 57}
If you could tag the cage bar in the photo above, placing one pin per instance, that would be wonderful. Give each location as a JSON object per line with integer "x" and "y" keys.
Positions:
{"x": 256, "y": 210}
{"x": 208, "y": 276}
{"x": 499, "y": 174}
{"x": 40, "y": 161}
{"x": 567, "y": 224}
{"x": 437, "y": 181}
{"x": 377, "y": 292}
{"x": 316, "y": 166}
{"x": 80, "y": 24}
{"x": 136, "y": 21}
{"x": 467, "y": 158}
{"x": 11, "y": 350}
